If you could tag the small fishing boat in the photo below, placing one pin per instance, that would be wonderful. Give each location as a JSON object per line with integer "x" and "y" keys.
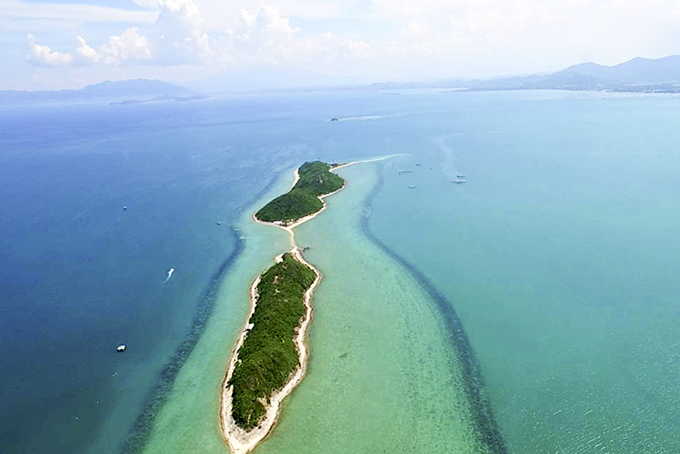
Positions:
{"x": 121, "y": 348}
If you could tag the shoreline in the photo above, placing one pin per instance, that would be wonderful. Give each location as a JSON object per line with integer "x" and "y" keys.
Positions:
{"x": 239, "y": 440}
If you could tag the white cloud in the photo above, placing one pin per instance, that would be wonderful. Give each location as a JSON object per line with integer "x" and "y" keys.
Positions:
{"x": 85, "y": 52}
{"x": 265, "y": 36}
{"x": 175, "y": 38}
{"x": 261, "y": 35}
{"x": 44, "y": 56}
{"x": 433, "y": 38}
{"x": 178, "y": 36}
{"x": 129, "y": 46}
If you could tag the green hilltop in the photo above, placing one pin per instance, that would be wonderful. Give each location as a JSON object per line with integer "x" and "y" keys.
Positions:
{"x": 302, "y": 200}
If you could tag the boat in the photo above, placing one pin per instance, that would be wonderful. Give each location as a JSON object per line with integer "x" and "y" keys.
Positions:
{"x": 412, "y": 187}
{"x": 121, "y": 348}
{"x": 459, "y": 181}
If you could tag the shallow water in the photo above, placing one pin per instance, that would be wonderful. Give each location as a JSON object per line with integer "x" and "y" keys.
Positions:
{"x": 557, "y": 254}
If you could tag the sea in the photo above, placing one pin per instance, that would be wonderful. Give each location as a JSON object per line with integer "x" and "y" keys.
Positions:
{"x": 503, "y": 281}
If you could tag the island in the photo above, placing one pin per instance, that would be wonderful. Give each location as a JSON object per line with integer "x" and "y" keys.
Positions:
{"x": 313, "y": 180}
{"x": 270, "y": 356}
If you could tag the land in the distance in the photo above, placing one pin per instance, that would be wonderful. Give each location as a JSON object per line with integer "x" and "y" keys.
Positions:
{"x": 120, "y": 91}
{"x": 646, "y": 75}
{"x": 639, "y": 75}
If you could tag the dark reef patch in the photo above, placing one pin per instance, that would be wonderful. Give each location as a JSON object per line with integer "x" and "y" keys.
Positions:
{"x": 490, "y": 438}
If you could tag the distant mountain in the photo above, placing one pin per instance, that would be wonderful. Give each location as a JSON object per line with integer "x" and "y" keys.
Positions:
{"x": 636, "y": 71}
{"x": 138, "y": 89}
{"x": 636, "y": 75}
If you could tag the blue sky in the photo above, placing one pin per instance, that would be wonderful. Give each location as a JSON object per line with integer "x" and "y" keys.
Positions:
{"x": 52, "y": 44}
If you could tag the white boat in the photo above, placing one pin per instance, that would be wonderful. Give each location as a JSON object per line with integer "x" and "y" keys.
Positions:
{"x": 121, "y": 348}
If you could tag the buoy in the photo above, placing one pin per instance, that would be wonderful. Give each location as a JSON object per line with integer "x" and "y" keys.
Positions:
{"x": 121, "y": 348}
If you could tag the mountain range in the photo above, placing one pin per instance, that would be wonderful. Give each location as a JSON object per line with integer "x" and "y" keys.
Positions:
{"x": 636, "y": 75}
{"x": 134, "y": 89}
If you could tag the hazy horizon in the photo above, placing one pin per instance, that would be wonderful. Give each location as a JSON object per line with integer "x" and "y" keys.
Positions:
{"x": 53, "y": 44}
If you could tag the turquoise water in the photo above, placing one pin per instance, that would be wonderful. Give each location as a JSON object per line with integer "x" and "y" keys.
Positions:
{"x": 556, "y": 259}
{"x": 558, "y": 255}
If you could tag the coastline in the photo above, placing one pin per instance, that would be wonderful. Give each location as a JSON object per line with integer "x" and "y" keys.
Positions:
{"x": 239, "y": 440}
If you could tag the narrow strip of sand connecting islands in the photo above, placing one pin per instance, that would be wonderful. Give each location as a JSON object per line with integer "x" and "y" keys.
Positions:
{"x": 239, "y": 440}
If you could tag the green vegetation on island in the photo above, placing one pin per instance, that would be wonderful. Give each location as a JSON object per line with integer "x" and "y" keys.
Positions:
{"x": 268, "y": 355}
{"x": 302, "y": 200}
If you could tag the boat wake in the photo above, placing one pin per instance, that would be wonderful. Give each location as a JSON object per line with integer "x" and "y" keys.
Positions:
{"x": 363, "y": 118}
{"x": 449, "y": 162}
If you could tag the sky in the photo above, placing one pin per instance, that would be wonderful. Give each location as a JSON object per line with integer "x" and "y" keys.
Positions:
{"x": 51, "y": 44}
